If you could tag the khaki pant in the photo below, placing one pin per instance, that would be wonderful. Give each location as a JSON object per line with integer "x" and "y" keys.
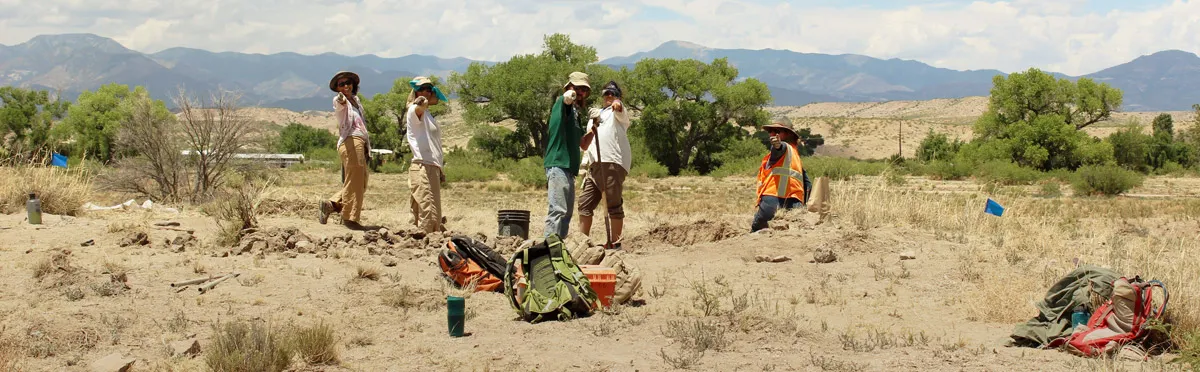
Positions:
{"x": 614, "y": 184}
{"x": 425, "y": 196}
{"x": 354, "y": 185}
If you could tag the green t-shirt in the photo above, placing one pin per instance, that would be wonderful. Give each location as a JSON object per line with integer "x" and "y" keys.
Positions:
{"x": 562, "y": 138}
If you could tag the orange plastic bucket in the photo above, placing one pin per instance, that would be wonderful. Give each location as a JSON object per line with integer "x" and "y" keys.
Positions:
{"x": 603, "y": 280}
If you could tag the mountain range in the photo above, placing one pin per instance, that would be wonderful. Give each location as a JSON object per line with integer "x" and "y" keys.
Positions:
{"x": 73, "y": 63}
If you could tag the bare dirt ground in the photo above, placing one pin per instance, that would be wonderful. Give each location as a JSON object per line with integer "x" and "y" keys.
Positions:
{"x": 950, "y": 309}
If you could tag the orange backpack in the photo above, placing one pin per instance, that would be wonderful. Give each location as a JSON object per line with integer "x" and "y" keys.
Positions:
{"x": 466, "y": 261}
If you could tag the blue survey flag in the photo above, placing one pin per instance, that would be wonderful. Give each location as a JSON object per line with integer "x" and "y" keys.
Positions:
{"x": 993, "y": 208}
{"x": 58, "y": 160}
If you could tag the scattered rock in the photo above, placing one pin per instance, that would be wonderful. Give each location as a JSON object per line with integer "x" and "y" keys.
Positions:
{"x": 88, "y": 243}
{"x": 167, "y": 224}
{"x": 304, "y": 246}
{"x": 374, "y": 249}
{"x": 189, "y": 348}
{"x": 257, "y": 247}
{"x": 371, "y": 236}
{"x": 290, "y": 254}
{"x": 689, "y": 234}
{"x": 908, "y": 255}
{"x": 277, "y": 243}
{"x": 824, "y": 256}
{"x": 389, "y": 261}
{"x": 775, "y": 259}
{"x": 135, "y": 238}
{"x": 112, "y": 363}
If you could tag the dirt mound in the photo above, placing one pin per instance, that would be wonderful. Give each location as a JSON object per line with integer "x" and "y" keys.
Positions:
{"x": 681, "y": 235}
{"x": 410, "y": 243}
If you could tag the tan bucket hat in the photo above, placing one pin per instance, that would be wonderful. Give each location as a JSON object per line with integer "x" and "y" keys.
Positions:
{"x": 785, "y": 126}
{"x": 578, "y": 79}
{"x": 342, "y": 74}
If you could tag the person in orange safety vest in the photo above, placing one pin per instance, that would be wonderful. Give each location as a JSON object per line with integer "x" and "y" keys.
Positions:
{"x": 782, "y": 181}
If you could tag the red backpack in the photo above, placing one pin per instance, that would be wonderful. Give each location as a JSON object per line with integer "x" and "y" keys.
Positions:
{"x": 1104, "y": 334}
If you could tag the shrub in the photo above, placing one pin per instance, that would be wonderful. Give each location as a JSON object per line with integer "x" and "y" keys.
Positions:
{"x": 323, "y": 154}
{"x": 650, "y": 169}
{"x": 937, "y": 146}
{"x": 529, "y": 172}
{"x": 395, "y": 168}
{"x": 1050, "y": 189}
{"x": 947, "y": 170}
{"x": 244, "y": 347}
{"x": 61, "y": 191}
{"x": 840, "y": 168}
{"x": 1131, "y": 148}
{"x": 498, "y": 142}
{"x": 1105, "y": 180}
{"x": 467, "y": 166}
{"x": 297, "y": 138}
{"x": 317, "y": 344}
{"x": 1007, "y": 173}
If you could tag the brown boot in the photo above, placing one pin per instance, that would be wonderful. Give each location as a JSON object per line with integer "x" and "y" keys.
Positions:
{"x": 617, "y": 225}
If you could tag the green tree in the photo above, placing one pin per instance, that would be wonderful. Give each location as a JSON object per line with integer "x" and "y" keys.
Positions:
{"x": 937, "y": 146}
{"x": 693, "y": 110}
{"x": 1164, "y": 126}
{"x": 1034, "y": 119}
{"x": 95, "y": 119}
{"x": 523, "y": 89}
{"x": 26, "y": 117}
{"x": 1132, "y": 148}
{"x": 296, "y": 138}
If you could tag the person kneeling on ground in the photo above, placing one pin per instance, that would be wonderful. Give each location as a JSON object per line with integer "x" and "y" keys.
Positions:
{"x": 614, "y": 160}
{"x": 782, "y": 181}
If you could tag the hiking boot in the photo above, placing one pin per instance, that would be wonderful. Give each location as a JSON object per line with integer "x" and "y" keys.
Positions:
{"x": 352, "y": 225}
{"x": 323, "y": 211}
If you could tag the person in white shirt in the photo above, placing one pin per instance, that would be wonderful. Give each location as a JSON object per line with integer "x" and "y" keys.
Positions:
{"x": 611, "y": 160}
{"x": 425, "y": 176}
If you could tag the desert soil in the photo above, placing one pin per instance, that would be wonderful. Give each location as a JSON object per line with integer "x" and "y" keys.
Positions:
{"x": 949, "y": 309}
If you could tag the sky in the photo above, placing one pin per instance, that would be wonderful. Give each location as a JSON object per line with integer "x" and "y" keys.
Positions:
{"x": 1070, "y": 36}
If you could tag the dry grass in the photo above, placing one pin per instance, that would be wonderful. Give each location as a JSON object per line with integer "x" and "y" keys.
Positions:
{"x": 1009, "y": 262}
{"x": 317, "y": 344}
{"x": 367, "y": 273}
{"x": 242, "y": 346}
{"x": 61, "y": 191}
{"x": 11, "y": 355}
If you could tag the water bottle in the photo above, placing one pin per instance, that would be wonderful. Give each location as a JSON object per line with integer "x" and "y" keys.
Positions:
{"x": 1079, "y": 318}
{"x": 456, "y": 315}
{"x": 34, "y": 208}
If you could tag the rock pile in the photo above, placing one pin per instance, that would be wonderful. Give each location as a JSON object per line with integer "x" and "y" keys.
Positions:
{"x": 406, "y": 244}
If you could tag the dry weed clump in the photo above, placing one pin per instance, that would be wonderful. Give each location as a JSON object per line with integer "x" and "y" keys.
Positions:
{"x": 239, "y": 208}
{"x": 367, "y": 273}
{"x": 11, "y": 355}
{"x": 1007, "y": 263}
{"x": 62, "y": 192}
{"x": 243, "y": 346}
{"x": 317, "y": 345}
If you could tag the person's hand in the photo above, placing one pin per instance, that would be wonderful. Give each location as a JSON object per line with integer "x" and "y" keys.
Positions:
{"x": 617, "y": 106}
{"x": 341, "y": 98}
{"x": 775, "y": 142}
{"x": 569, "y": 97}
{"x": 442, "y": 176}
{"x": 421, "y": 101}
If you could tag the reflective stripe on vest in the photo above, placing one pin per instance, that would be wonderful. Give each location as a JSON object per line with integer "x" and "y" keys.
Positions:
{"x": 785, "y": 173}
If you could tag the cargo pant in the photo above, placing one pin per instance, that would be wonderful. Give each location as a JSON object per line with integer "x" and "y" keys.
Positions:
{"x": 425, "y": 196}
{"x": 354, "y": 179}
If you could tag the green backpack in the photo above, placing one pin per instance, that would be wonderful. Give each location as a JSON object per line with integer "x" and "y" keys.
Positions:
{"x": 554, "y": 286}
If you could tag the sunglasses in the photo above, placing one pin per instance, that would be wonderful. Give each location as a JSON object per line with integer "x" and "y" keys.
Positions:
{"x": 583, "y": 89}
{"x": 773, "y": 130}
{"x": 425, "y": 88}
{"x": 345, "y": 83}
{"x": 609, "y": 94}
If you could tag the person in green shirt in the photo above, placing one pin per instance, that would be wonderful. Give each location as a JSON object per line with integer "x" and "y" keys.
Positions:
{"x": 562, "y": 153}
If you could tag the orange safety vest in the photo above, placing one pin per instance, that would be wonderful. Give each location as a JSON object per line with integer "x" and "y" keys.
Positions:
{"x": 784, "y": 179}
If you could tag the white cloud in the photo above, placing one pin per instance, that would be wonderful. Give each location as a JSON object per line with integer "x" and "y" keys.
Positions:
{"x": 1007, "y": 35}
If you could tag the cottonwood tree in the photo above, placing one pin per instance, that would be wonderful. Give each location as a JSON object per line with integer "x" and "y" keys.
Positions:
{"x": 26, "y": 117}
{"x": 522, "y": 90}
{"x": 691, "y": 110}
{"x": 94, "y": 120}
{"x": 1035, "y": 120}
{"x": 213, "y": 131}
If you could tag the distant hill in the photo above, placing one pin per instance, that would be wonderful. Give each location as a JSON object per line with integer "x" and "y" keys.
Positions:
{"x": 73, "y": 63}
{"x": 1161, "y": 81}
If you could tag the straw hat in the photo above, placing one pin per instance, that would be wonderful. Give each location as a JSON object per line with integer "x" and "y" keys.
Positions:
{"x": 785, "y": 126}
{"x": 339, "y": 76}
{"x": 420, "y": 81}
{"x": 578, "y": 79}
